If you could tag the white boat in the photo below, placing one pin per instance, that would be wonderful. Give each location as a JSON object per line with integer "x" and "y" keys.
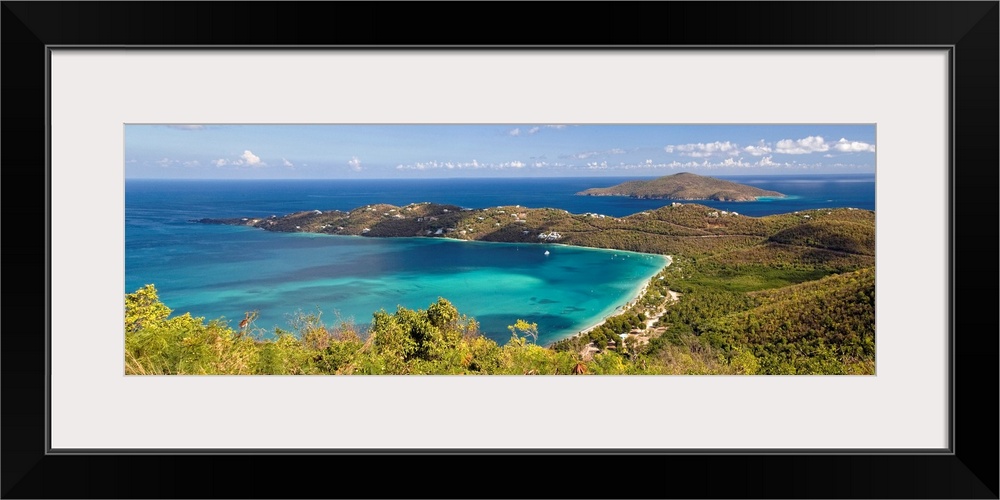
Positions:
{"x": 546, "y": 252}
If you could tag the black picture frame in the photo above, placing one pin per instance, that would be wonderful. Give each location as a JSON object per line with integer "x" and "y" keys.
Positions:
{"x": 968, "y": 470}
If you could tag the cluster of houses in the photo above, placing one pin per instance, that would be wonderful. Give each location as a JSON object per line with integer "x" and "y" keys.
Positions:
{"x": 553, "y": 236}
{"x": 723, "y": 213}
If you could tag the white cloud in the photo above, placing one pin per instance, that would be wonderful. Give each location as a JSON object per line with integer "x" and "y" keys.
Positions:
{"x": 738, "y": 162}
{"x": 767, "y": 161}
{"x": 847, "y": 165}
{"x": 760, "y": 149}
{"x": 845, "y": 146}
{"x": 811, "y": 144}
{"x": 287, "y": 163}
{"x": 693, "y": 165}
{"x": 167, "y": 162}
{"x": 515, "y": 132}
{"x": 702, "y": 150}
{"x": 728, "y": 163}
{"x": 354, "y": 163}
{"x": 588, "y": 154}
{"x": 474, "y": 164}
{"x": 251, "y": 159}
{"x": 247, "y": 158}
{"x": 724, "y": 163}
{"x": 690, "y": 164}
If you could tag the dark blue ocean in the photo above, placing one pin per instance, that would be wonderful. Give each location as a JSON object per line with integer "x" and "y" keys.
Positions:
{"x": 223, "y": 271}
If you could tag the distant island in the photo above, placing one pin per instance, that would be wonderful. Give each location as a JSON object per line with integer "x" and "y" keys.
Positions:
{"x": 684, "y": 186}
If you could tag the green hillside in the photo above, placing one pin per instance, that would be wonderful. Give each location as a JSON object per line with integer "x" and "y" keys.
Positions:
{"x": 824, "y": 326}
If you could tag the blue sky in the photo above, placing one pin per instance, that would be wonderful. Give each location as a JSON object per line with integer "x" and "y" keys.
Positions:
{"x": 511, "y": 150}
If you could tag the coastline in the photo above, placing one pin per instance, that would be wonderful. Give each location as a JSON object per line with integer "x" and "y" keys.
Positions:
{"x": 620, "y": 309}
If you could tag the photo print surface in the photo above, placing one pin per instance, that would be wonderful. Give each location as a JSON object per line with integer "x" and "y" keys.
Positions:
{"x": 509, "y": 249}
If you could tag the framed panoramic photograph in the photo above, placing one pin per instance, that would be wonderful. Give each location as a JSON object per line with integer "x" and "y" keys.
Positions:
{"x": 494, "y": 249}
{"x": 695, "y": 257}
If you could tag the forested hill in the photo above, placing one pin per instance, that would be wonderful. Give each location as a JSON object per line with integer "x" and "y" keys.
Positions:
{"x": 838, "y": 236}
{"x": 683, "y": 186}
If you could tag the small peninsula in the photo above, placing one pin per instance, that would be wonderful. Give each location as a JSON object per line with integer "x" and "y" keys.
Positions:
{"x": 829, "y": 235}
{"x": 684, "y": 186}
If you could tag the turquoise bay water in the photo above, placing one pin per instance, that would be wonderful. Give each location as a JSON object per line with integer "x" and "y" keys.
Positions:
{"x": 223, "y": 271}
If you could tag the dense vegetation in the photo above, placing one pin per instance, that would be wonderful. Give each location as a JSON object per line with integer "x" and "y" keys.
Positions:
{"x": 683, "y": 186}
{"x": 781, "y": 294}
{"x": 816, "y": 326}
{"x": 436, "y": 340}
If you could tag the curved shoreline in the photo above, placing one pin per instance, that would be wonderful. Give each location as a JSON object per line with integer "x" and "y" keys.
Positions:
{"x": 639, "y": 293}
{"x": 620, "y": 309}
